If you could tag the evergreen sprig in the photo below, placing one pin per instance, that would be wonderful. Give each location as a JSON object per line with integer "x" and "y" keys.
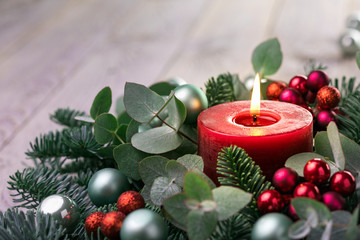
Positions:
{"x": 220, "y": 90}
{"x": 345, "y": 86}
{"x": 312, "y": 65}
{"x": 66, "y": 117}
{"x": 17, "y": 225}
{"x": 238, "y": 170}
{"x": 234, "y": 228}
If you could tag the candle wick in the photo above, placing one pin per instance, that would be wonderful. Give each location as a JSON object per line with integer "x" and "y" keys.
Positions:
{"x": 254, "y": 118}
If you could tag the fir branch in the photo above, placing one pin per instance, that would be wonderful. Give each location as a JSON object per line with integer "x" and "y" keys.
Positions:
{"x": 234, "y": 228}
{"x": 32, "y": 185}
{"x": 349, "y": 125}
{"x": 17, "y": 225}
{"x": 220, "y": 90}
{"x": 66, "y": 117}
{"x": 312, "y": 65}
{"x": 238, "y": 170}
{"x": 345, "y": 86}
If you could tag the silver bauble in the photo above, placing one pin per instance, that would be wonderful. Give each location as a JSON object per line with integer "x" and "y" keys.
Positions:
{"x": 350, "y": 42}
{"x": 271, "y": 226}
{"x": 353, "y": 21}
{"x": 63, "y": 209}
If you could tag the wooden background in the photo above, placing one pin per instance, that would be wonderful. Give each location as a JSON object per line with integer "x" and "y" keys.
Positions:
{"x": 60, "y": 53}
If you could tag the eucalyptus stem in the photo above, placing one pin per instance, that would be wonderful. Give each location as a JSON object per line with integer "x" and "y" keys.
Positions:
{"x": 119, "y": 138}
{"x": 178, "y": 131}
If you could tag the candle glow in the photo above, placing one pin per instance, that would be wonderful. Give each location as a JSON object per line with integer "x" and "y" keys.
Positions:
{"x": 255, "y": 98}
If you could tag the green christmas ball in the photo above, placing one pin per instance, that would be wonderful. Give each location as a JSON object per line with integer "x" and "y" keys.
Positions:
{"x": 144, "y": 224}
{"x": 63, "y": 209}
{"x": 272, "y": 226}
{"x": 194, "y": 100}
{"x": 106, "y": 185}
{"x": 176, "y": 81}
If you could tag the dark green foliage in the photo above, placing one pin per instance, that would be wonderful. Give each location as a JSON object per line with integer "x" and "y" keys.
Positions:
{"x": 345, "y": 86}
{"x": 220, "y": 90}
{"x": 17, "y": 225}
{"x": 312, "y": 65}
{"x": 66, "y": 117}
{"x": 349, "y": 125}
{"x": 238, "y": 170}
{"x": 234, "y": 228}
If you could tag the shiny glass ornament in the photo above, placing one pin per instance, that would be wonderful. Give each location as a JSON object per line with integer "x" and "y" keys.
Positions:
{"x": 285, "y": 179}
{"x": 271, "y": 226}
{"x": 270, "y": 201}
{"x": 176, "y": 81}
{"x": 328, "y": 97}
{"x": 349, "y": 42}
{"x": 144, "y": 224}
{"x": 63, "y": 209}
{"x": 334, "y": 201}
{"x": 307, "y": 189}
{"x": 316, "y": 171}
{"x": 343, "y": 182}
{"x": 353, "y": 21}
{"x": 106, "y": 185}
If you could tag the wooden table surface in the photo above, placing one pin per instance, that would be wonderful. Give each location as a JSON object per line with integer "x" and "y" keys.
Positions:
{"x": 60, "y": 53}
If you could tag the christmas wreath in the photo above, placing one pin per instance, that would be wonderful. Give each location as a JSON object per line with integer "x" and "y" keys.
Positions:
{"x": 136, "y": 174}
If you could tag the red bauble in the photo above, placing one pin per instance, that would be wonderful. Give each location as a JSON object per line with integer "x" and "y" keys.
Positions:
{"x": 316, "y": 171}
{"x": 310, "y": 97}
{"x": 334, "y": 201}
{"x": 291, "y": 95}
{"x": 111, "y": 225}
{"x": 343, "y": 182}
{"x": 130, "y": 201}
{"x": 285, "y": 179}
{"x": 270, "y": 201}
{"x": 93, "y": 221}
{"x": 299, "y": 83}
{"x": 307, "y": 189}
{"x": 316, "y": 80}
{"x": 274, "y": 90}
{"x": 328, "y": 97}
{"x": 324, "y": 117}
{"x": 292, "y": 213}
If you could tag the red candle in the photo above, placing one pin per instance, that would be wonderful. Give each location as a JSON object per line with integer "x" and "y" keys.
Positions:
{"x": 278, "y": 132}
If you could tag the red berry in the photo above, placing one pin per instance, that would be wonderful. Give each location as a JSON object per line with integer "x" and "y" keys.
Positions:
{"x": 328, "y": 97}
{"x": 285, "y": 179}
{"x": 334, "y": 201}
{"x": 310, "y": 97}
{"x": 316, "y": 80}
{"x": 316, "y": 171}
{"x": 324, "y": 117}
{"x": 307, "y": 189}
{"x": 270, "y": 201}
{"x": 130, "y": 201}
{"x": 111, "y": 225}
{"x": 274, "y": 90}
{"x": 93, "y": 221}
{"x": 343, "y": 182}
{"x": 299, "y": 83}
{"x": 291, "y": 95}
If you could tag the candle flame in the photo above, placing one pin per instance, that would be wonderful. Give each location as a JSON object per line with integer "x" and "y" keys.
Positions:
{"x": 255, "y": 97}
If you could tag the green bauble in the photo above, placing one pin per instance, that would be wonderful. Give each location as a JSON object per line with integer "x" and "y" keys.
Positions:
{"x": 194, "y": 100}
{"x": 176, "y": 81}
{"x": 106, "y": 185}
{"x": 63, "y": 209}
{"x": 272, "y": 226}
{"x": 144, "y": 224}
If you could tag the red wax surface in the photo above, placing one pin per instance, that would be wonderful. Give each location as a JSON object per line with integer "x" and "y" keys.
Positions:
{"x": 269, "y": 146}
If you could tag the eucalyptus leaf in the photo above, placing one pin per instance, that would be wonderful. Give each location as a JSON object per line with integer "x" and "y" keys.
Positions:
{"x": 141, "y": 103}
{"x": 299, "y": 230}
{"x": 205, "y": 177}
{"x": 191, "y": 161}
{"x": 327, "y": 232}
{"x": 128, "y": 159}
{"x": 312, "y": 217}
{"x": 341, "y": 220}
{"x": 297, "y": 162}
{"x": 358, "y": 59}
{"x": 124, "y": 118}
{"x": 162, "y": 188}
{"x": 335, "y": 143}
{"x": 162, "y": 88}
{"x": 177, "y": 113}
{"x": 119, "y": 105}
{"x": 201, "y": 224}
{"x": 145, "y": 193}
{"x": 105, "y": 127}
{"x": 157, "y": 140}
{"x": 101, "y": 103}
{"x": 351, "y": 150}
{"x": 302, "y": 203}
{"x": 352, "y": 232}
{"x": 176, "y": 171}
{"x": 132, "y": 129}
{"x": 208, "y": 205}
{"x": 175, "y": 207}
{"x": 267, "y": 57}
{"x": 196, "y": 187}
{"x": 152, "y": 167}
{"x": 230, "y": 200}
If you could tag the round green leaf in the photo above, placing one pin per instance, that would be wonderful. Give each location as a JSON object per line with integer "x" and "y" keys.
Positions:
{"x": 201, "y": 224}
{"x": 152, "y": 167}
{"x": 196, "y": 187}
{"x": 191, "y": 161}
{"x": 299, "y": 230}
{"x": 101, "y": 103}
{"x": 162, "y": 88}
{"x": 162, "y": 188}
{"x": 176, "y": 171}
{"x": 298, "y": 161}
{"x": 176, "y": 210}
{"x": 104, "y": 128}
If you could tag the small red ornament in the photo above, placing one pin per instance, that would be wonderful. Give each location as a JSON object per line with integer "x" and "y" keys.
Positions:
{"x": 111, "y": 225}
{"x": 287, "y": 198}
{"x": 130, "y": 201}
{"x": 292, "y": 213}
{"x": 316, "y": 80}
{"x": 93, "y": 221}
{"x": 307, "y": 189}
{"x": 324, "y": 117}
{"x": 316, "y": 171}
{"x": 291, "y": 95}
{"x": 310, "y": 97}
{"x": 334, "y": 201}
{"x": 299, "y": 83}
{"x": 328, "y": 97}
{"x": 285, "y": 179}
{"x": 343, "y": 182}
{"x": 274, "y": 90}
{"x": 270, "y": 201}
